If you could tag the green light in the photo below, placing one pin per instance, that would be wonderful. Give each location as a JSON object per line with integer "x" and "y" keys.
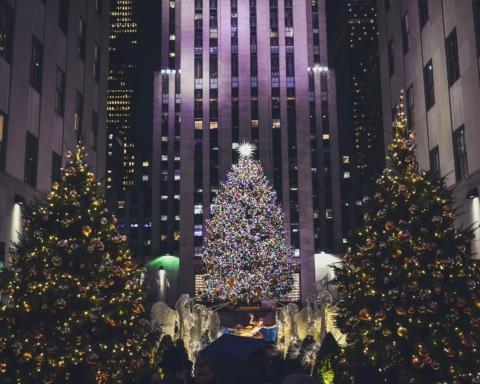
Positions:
{"x": 168, "y": 262}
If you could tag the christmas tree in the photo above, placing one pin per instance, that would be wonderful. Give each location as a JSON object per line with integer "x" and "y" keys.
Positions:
{"x": 246, "y": 257}
{"x": 409, "y": 281}
{"x": 74, "y": 292}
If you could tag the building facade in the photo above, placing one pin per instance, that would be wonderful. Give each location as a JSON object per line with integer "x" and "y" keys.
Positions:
{"x": 53, "y": 90}
{"x": 432, "y": 50}
{"x": 353, "y": 53}
{"x": 257, "y": 71}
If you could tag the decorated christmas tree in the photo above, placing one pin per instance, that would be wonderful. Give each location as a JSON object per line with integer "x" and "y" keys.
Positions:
{"x": 246, "y": 257}
{"x": 410, "y": 285}
{"x": 73, "y": 290}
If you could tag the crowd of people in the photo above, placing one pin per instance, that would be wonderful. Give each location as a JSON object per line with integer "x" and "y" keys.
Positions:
{"x": 263, "y": 368}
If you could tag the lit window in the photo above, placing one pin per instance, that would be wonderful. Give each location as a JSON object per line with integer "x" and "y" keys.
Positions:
{"x": 198, "y": 209}
{"x": 145, "y": 164}
{"x": 326, "y": 136}
{"x": 198, "y": 230}
{"x": 176, "y": 235}
{"x": 145, "y": 177}
{"x": 163, "y": 218}
{"x": 147, "y": 242}
{"x": 254, "y": 123}
{"x": 345, "y": 241}
{"x": 296, "y": 252}
{"x": 276, "y": 123}
{"x": 346, "y": 175}
{"x": 213, "y": 124}
{"x": 329, "y": 213}
{"x": 163, "y": 197}
{"x": 121, "y": 204}
{"x": 176, "y": 197}
{"x": 346, "y": 159}
{"x": 172, "y": 37}
{"x": 358, "y": 202}
{"x": 198, "y": 124}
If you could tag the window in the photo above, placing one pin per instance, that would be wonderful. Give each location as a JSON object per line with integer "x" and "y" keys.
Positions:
{"x": 435, "y": 160}
{"x": 460, "y": 151}
{"x": 410, "y": 106}
{"x": 98, "y": 7}
{"x": 60, "y": 92}
{"x": 63, "y": 16}
{"x": 6, "y": 29}
{"x": 56, "y": 166}
{"x": 423, "y": 12}
{"x": 77, "y": 123}
{"x": 387, "y": 4}
{"x": 2, "y": 139}
{"x": 346, "y": 159}
{"x": 294, "y": 294}
{"x": 94, "y": 133}
{"x": 429, "y": 86}
{"x": 81, "y": 39}
{"x": 31, "y": 153}
{"x": 36, "y": 65}
{"x": 96, "y": 62}
{"x": 405, "y": 34}
{"x": 346, "y": 175}
{"x": 476, "y": 17}
{"x": 391, "y": 58}
{"x": 453, "y": 66}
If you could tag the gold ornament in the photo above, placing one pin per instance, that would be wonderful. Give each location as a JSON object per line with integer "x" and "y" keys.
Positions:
{"x": 90, "y": 177}
{"x": 398, "y": 253}
{"x": 461, "y": 302}
{"x": 413, "y": 135}
{"x": 55, "y": 185}
{"x": 404, "y": 235}
{"x": 86, "y": 230}
{"x": 389, "y": 225}
{"x": 364, "y": 314}
{"x": 128, "y": 265}
{"x": 447, "y": 209}
{"x": 400, "y": 310}
{"x": 232, "y": 281}
{"x": 28, "y": 222}
{"x": 423, "y": 351}
{"x": 234, "y": 301}
{"x": 129, "y": 343}
{"x": 402, "y": 332}
{"x": 103, "y": 220}
{"x": 450, "y": 352}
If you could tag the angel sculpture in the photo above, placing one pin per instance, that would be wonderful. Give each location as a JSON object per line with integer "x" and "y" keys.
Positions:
{"x": 286, "y": 326}
{"x": 330, "y": 313}
{"x": 165, "y": 318}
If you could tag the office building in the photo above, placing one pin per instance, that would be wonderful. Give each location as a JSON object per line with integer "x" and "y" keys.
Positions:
{"x": 53, "y": 91}
{"x": 432, "y": 50}
{"x": 257, "y": 71}
{"x": 353, "y": 53}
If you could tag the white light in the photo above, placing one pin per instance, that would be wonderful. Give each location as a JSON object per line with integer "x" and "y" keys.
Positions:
{"x": 246, "y": 149}
{"x": 169, "y": 71}
{"x": 162, "y": 71}
{"x": 308, "y": 69}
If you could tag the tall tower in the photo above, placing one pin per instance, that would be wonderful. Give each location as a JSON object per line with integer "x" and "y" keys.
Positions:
{"x": 253, "y": 70}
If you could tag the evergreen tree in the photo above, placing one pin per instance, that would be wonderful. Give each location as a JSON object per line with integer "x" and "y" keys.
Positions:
{"x": 327, "y": 368}
{"x": 73, "y": 290}
{"x": 246, "y": 257}
{"x": 410, "y": 284}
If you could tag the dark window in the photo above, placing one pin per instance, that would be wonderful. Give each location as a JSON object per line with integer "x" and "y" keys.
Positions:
{"x": 63, "y": 16}
{"x": 460, "y": 150}
{"x": 36, "y": 65}
{"x": 31, "y": 153}
{"x": 96, "y": 62}
{"x": 77, "y": 123}
{"x": 93, "y": 137}
{"x": 387, "y": 4}
{"x": 56, "y": 166}
{"x": 411, "y": 106}
{"x": 405, "y": 34}
{"x": 391, "y": 58}
{"x": 81, "y": 38}
{"x": 290, "y": 66}
{"x": 453, "y": 65}
{"x": 476, "y": 17}
{"x": 6, "y": 29}
{"x": 198, "y": 67}
{"x": 429, "y": 85}
{"x": 423, "y": 12}
{"x": 3, "y": 131}
{"x": 60, "y": 92}
{"x": 435, "y": 160}
{"x": 98, "y": 7}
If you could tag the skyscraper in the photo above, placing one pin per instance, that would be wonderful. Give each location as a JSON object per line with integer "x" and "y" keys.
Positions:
{"x": 252, "y": 70}
{"x": 354, "y": 54}
{"x": 53, "y": 91}
{"x": 432, "y": 50}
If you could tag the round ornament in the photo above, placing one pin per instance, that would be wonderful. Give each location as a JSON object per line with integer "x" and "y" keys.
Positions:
{"x": 86, "y": 230}
{"x": 389, "y": 225}
{"x": 402, "y": 332}
{"x": 364, "y": 314}
{"x": 380, "y": 315}
{"x": 103, "y": 220}
{"x": 447, "y": 209}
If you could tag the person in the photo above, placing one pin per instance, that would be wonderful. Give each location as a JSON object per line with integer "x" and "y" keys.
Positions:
{"x": 395, "y": 374}
{"x": 149, "y": 377}
{"x": 258, "y": 371}
{"x": 175, "y": 365}
{"x": 300, "y": 378}
{"x": 203, "y": 372}
{"x": 368, "y": 375}
{"x": 83, "y": 373}
{"x": 275, "y": 363}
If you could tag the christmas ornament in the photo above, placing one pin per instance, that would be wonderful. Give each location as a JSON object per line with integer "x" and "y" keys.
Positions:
{"x": 86, "y": 230}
